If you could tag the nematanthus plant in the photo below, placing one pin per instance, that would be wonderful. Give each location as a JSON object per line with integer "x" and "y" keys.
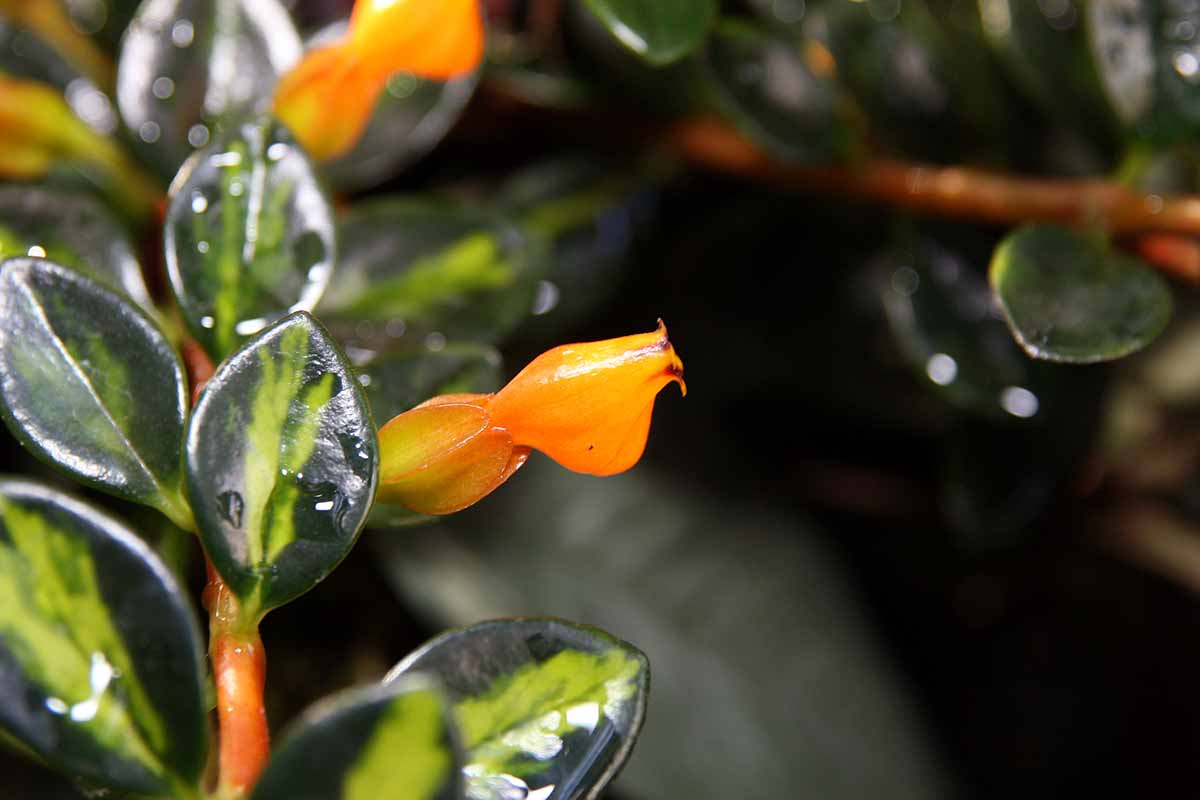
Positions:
{"x": 235, "y": 413}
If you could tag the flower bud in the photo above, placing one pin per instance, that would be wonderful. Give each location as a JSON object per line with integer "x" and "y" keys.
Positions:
{"x": 587, "y": 406}
{"x": 328, "y": 99}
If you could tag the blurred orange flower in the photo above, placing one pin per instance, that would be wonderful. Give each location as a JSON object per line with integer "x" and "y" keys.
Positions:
{"x": 328, "y": 99}
{"x": 587, "y": 406}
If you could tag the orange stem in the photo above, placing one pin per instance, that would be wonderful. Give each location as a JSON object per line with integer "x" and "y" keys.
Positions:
{"x": 239, "y": 670}
{"x": 1165, "y": 224}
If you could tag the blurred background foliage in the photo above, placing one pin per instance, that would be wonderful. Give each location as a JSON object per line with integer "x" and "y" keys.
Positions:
{"x": 879, "y": 550}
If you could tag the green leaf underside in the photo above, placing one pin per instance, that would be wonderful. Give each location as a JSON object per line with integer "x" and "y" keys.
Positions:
{"x": 381, "y": 742}
{"x": 461, "y": 272}
{"x": 660, "y": 32}
{"x": 100, "y": 663}
{"x": 797, "y": 115}
{"x": 91, "y": 385}
{"x": 282, "y": 463}
{"x": 537, "y": 708}
{"x": 249, "y": 237}
{"x": 1068, "y": 298}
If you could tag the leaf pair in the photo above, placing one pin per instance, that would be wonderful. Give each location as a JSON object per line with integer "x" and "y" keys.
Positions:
{"x": 281, "y": 455}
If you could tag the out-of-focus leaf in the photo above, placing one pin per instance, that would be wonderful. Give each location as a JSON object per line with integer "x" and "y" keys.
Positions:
{"x": 369, "y": 744}
{"x": 1044, "y": 46}
{"x": 24, "y": 55}
{"x": 779, "y": 91}
{"x": 1148, "y": 56}
{"x": 927, "y": 94}
{"x": 249, "y": 236}
{"x": 771, "y": 665}
{"x": 282, "y": 462}
{"x": 187, "y": 66}
{"x": 660, "y": 32}
{"x": 101, "y": 666}
{"x": 73, "y": 230}
{"x": 546, "y": 708}
{"x": 592, "y": 214}
{"x": 947, "y": 324}
{"x": 413, "y": 269}
{"x": 398, "y": 381}
{"x": 89, "y": 384}
{"x": 1069, "y": 298}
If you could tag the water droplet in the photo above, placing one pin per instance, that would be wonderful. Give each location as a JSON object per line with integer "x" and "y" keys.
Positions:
{"x": 1186, "y": 64}
{"x": 436, "y": 342}
{"x": 198, "y": 135}
{"x": 202, "y": 247}
{"x": 324, "y": 505}
{"x": 57, "y": 705}
{"x": 207, "y": 322}
{"x": 278, "y": 151}
{"x": 236, "y": 188}
{"x": 182, "y": 33}
{"x": 163, "y": 87}
{"x": 402, "y": 85}
{"x": 905, "y": 281}
{"x": 364, "y": 379}
{"x": 547, "y": 298}
{"x": 37, "y": 251}
{"x": 1019, "y": 401}
{"x": 231, "y": 505}
{"x": 941, "y": 369}
{"x": 395, "y": 328}
{"x": 149, "y": 132}
{"x": 199, "y": 203}
{"x": 231, "y": 159}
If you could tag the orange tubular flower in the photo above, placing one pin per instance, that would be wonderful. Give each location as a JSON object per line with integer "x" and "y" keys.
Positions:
{"x": 587, "y": 406}
{"x": 327, "y": 100}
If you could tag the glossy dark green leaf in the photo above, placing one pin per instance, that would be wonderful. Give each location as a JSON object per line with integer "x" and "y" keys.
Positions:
{"x": 545, "y": 707}
{"x": 101, "y": 665}
{"x": 188, "y": 66}
{"x": 73, "y": 230}
{"x": 414, "y": 271}
{"x": 282, "y": 461}
{"x": 89, "y": 384}
{"x": 776, "y": 93}
{"x": 368, "y": 744}
{"x": 946, "y": 322}
{"x": 398, "y": 381}
{"x": 249, "y": 236}
{"x": 660, "y": 32}
{"x": 1069, "y": 298}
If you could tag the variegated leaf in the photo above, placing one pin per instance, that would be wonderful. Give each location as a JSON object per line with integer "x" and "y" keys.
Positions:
{"x": 282, "y": 462}
{"x": 545, "y": 707}
{"x": 101, "y": 666}
{"x": 91, "y": 385}
{"x": 249, "y": 236}
{"x": 383, "y": 741}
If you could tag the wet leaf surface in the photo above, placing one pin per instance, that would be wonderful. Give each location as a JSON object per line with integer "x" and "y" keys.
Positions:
{"x": 282, "y": 462}
{"x": 188, "y": 66}
{"x": 91, "y": 385}
{"x": 249, "y": 236}
{"x": 1069, "y": 298}
{"x": 546, "y": 708}
{"x": 366, "y": 744}
{"x": 101, "y": 665}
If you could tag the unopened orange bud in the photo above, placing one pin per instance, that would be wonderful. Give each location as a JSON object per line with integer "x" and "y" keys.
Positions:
{"x": 328, "y": 99}
{"x": 587, "y": 406}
